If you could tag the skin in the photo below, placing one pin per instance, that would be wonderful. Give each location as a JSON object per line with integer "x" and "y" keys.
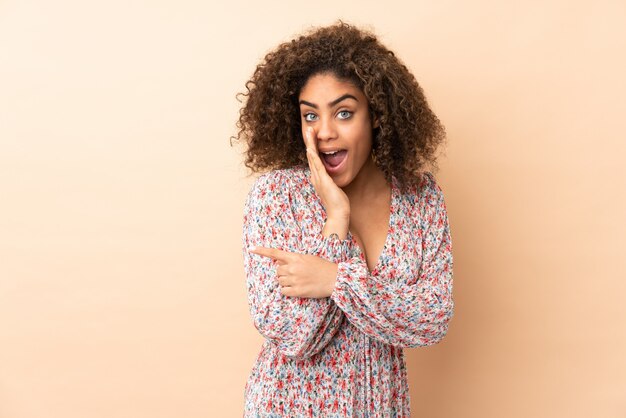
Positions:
{"x": 334, "y": 115}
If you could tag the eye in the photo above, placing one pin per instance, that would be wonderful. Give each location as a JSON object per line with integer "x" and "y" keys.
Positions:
{"x": 344, "y": 114}
{"x": 309, "y": 117}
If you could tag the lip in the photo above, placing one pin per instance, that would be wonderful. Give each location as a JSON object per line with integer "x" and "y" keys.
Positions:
{"x": 336, "y": 169}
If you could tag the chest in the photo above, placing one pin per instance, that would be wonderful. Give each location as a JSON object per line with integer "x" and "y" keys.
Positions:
{"x": 369, "y": 225}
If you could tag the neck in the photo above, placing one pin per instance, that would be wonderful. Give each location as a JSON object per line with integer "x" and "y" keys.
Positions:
{"x": 368, "y": 184}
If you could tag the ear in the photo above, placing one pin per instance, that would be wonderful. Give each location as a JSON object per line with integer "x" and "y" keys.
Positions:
{"x": 375, "y": 122}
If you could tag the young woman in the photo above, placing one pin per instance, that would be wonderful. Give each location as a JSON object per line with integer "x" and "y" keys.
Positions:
{"x": 347, "y": 247}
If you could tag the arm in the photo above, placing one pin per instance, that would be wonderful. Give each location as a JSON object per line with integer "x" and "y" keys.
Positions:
{"x": 406, "y": 311}
{"x": 299, "y": 327}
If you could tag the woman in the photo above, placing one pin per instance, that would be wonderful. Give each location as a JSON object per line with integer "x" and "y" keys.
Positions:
{"x": 347, "y": 247}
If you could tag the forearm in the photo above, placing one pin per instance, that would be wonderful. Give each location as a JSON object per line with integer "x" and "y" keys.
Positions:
{"x": 393, "y": 311}
{"x": 299, "y": 327}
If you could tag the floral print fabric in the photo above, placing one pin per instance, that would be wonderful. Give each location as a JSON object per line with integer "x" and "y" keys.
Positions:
{"x": 342, "y": 356}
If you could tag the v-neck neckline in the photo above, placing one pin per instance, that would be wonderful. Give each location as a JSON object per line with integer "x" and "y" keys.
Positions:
{"x": 390, "y": 230}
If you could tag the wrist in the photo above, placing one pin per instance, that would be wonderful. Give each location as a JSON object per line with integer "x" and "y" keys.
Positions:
{"x": 342, "y": 215}
{"x": 336, "y": 226}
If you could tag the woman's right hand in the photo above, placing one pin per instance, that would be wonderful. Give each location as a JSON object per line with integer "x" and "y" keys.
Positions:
{"x": 334, "y": 199}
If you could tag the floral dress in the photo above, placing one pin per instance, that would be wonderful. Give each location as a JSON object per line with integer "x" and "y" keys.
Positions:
{"x": 342, "y": 356}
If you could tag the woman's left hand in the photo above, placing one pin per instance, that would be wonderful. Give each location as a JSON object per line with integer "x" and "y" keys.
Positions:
{"x": 302, "y": 275}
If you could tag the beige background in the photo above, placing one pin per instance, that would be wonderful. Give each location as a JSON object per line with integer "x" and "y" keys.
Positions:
{"x": 122, "y": 291}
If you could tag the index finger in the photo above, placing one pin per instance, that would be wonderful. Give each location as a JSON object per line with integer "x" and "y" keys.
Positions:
{"x": 273, "y": 253}
{"x": 309, "y": 139}
{"x": 315, "y": 164}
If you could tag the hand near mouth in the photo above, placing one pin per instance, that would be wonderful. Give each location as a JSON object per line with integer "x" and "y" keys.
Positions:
{"x": 334, "y": 199}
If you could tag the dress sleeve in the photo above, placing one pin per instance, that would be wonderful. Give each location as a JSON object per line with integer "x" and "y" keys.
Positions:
{"x": 299, "y": 327}
{"x": 405, "y": 311}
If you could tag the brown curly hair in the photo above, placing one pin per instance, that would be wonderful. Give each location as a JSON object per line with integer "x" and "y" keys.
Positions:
{"x": 408, "y": 134}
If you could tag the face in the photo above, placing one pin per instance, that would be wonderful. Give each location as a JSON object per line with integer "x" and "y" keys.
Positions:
{"x": 339, "y": 114}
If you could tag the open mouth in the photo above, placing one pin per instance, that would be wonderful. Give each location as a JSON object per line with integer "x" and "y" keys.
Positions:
{"x": 334, "y": 161}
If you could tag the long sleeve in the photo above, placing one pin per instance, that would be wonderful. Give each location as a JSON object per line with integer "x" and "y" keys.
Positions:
{"x": 300, "y": 327}
{"x": 405, "y": 311}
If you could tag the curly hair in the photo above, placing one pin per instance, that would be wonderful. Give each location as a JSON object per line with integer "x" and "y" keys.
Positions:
{"x": 408, "y": 133}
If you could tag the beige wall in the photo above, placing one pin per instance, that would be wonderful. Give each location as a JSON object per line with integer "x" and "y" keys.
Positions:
{"x": 122, "y": 291}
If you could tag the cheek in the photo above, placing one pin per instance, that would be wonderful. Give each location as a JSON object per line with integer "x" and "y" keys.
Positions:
{"x": 356, "y": 131}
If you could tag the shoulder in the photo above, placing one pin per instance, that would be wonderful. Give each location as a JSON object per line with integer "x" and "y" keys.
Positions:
{"x": 280, "y": 179}
{"x": 429, "y": 189}
{"x": 425, "y": 199}
{"x": 276, "y": 185}
{"x": 432, "y": 206}
{"x": 424, "y": 191}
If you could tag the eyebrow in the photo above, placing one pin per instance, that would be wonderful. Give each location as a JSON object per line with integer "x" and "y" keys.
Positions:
{"x": 334, "y": 102}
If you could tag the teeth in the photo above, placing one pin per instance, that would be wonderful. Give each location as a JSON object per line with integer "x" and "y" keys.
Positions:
{"x": 330, "y": 153}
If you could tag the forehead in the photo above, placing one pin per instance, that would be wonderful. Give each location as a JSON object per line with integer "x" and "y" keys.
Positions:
{"x": 327, "y": 87}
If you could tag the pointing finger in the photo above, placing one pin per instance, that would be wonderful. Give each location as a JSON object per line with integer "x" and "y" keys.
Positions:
{"x": 272, "y": 253}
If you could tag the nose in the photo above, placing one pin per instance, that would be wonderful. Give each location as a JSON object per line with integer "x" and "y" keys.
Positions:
{"x": 326, "y": 130}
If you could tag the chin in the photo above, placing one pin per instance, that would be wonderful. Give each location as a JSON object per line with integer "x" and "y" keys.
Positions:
{"x": 341, "y": 182}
